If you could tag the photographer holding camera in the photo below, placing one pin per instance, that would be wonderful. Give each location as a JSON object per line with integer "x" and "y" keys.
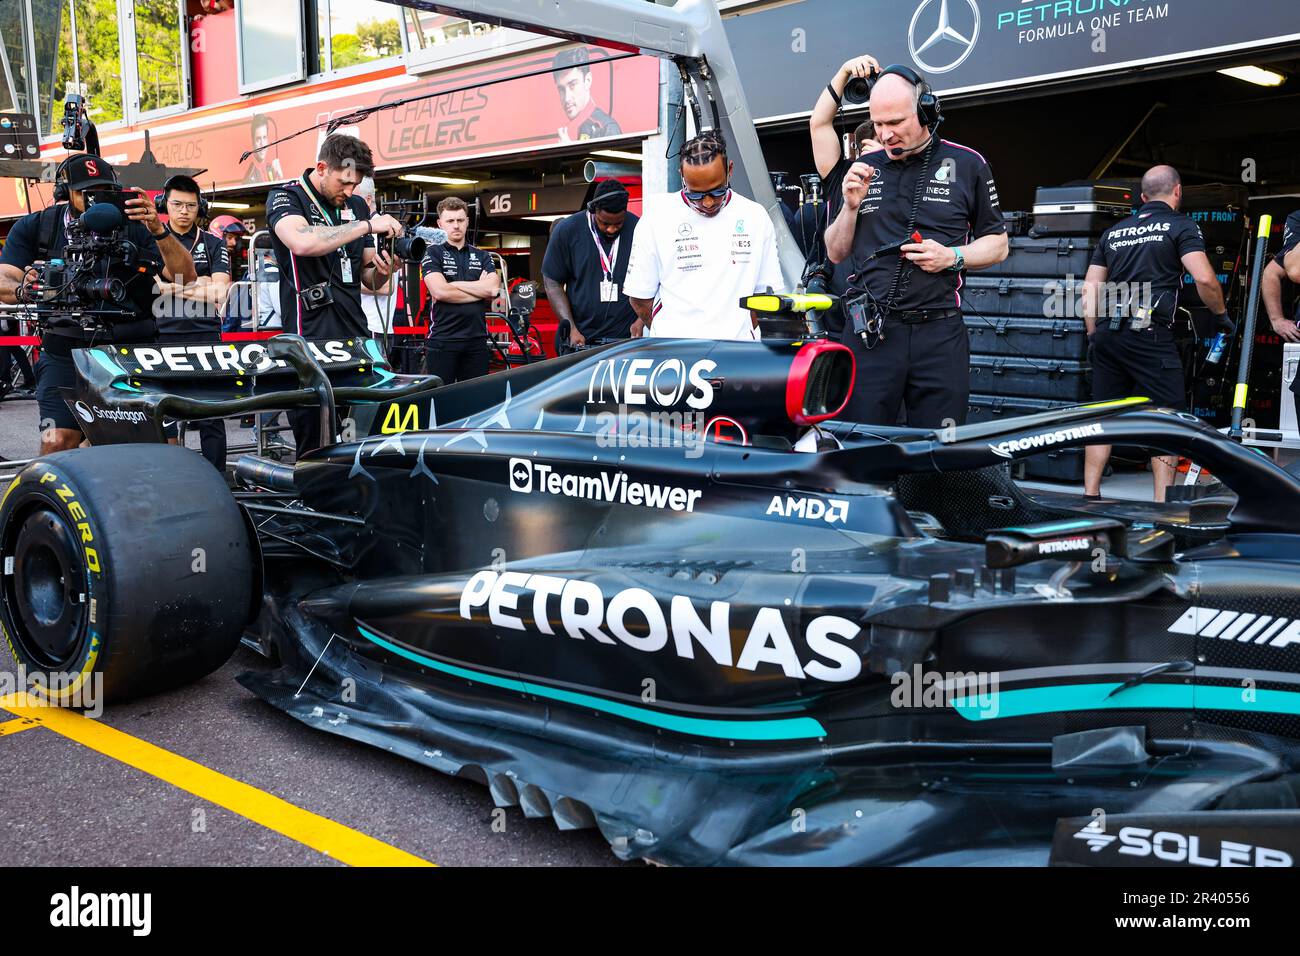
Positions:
{"x": 101, "y": 294}
{"x": 321, "y": 235}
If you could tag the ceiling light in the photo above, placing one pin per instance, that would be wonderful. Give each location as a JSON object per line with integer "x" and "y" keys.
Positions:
{"x": 542, "y": 218}
{"x": 438, "y": 180}
{"x": 1254, "y": 74}
{"x": 617, "y": 154}
{"x": 220, "y": 204}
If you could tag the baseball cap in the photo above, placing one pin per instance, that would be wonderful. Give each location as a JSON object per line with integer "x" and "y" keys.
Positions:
{"x": 224, "y": 224}
{"x": 85, "y": 170}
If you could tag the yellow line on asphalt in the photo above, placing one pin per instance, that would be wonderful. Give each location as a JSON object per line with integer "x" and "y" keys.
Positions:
{"x": 16, "y": 725}
{"x": 326, "y": 836}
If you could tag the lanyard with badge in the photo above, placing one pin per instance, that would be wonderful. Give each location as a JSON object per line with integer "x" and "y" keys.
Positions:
{"x": 345, "y": 261}
{"x": 608, "y": 287}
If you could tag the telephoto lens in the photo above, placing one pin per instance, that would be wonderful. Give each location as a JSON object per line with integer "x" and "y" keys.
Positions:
{"x": 409, "y": 248}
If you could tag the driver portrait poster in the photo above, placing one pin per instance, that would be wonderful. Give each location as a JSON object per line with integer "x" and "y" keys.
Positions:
{"x": 603, "y": 94}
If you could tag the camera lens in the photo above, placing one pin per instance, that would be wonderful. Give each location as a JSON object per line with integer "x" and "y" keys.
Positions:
{"x": 409, "y": 248}
{"x": 109, "y": 290}
{"x": 857, "y": 91}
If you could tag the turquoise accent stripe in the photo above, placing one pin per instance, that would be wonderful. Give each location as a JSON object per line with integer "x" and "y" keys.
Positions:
{"x": 1052, "y": 528}
{"x": 792, "y": 728}
{"x": 115, "y": 370}
{"x": 1076, "y": 697}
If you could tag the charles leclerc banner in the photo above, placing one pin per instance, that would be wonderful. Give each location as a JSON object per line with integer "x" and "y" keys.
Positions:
{"x": 521, "y": 116}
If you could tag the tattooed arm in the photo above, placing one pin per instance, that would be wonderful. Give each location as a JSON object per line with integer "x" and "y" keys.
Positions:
{"x": 304, "y": 239}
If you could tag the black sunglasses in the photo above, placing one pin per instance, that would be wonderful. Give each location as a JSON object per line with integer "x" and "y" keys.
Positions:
{"x": 715, "y": 193}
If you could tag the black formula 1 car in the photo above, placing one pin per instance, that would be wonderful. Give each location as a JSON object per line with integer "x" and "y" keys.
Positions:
{"x": 657, "y": 589}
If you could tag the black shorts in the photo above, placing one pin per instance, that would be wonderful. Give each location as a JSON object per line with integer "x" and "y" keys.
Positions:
{"x": 53, "y": 374}
{"x": 1127, "y": 364}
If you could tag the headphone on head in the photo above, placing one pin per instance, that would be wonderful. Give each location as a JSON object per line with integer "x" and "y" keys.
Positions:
{"x": 928, "y": 110}
{"x": 63, "y": 192}
{"x": 160, "y": 201}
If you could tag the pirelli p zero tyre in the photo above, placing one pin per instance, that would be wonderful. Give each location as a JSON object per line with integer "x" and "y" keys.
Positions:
{"x": 128, "y": 561}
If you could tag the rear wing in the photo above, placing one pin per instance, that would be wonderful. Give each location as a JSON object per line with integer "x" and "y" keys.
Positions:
{"x": 126, "y": 393}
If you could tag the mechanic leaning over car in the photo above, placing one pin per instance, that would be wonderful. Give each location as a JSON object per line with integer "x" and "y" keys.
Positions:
{"x": 321, "y": 234}
{"x": 1130, "y": 320}
{"x": 585, "y": 266}
{"x": 462, "y": 282}
{"x": 41, "y": 235}
{"x": 696, "y": 253}
{"x": 916, "y": 215}
{"x": 1287, "y": 329}
{"x": 193, "y": 313}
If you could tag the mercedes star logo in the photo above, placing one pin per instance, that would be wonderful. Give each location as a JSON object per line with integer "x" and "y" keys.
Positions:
{"x": 950, "y": 46}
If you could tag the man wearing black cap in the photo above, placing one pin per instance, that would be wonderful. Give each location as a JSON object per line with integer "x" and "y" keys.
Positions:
{"x": 40, "y": 236}
{"x": 584, "y": 268}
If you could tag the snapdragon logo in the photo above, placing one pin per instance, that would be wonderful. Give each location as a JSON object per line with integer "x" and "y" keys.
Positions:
{"x": 1007, "y": 449}
{"x": 531, "y": 477}
{"x": 89, "y": 413}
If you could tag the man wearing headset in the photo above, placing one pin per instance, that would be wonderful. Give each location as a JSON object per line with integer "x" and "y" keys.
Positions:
{"x": 917, "y": 214}
{"x": 585, "y": 265}
{"x": 193, "y": 313}
{"x": 42, "y": 235}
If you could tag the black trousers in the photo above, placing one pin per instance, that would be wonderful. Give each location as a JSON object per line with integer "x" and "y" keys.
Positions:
{"x": 9, "y": 356}
{"x": 1146, "y": 363}
{"x": 212, "y": 431}
{"x": 456, "y": 361}
{"x": 924, "y": 366}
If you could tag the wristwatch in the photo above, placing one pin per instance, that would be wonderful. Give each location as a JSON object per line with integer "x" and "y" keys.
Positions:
{"x": 959, "y": 263}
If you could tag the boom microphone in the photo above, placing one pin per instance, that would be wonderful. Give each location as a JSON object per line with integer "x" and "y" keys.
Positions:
{"x": 434, "y": 237}
{"x": 102, "y": 218}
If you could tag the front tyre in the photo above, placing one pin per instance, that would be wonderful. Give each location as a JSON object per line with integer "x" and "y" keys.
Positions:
{"x": 128, "y": 561}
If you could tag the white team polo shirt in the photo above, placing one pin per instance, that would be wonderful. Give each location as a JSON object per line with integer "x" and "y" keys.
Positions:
{"x": 698, "y": 268}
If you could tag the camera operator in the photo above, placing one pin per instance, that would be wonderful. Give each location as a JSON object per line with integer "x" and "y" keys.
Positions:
{"x": 1133, "y": 350}
{"x": 193, "y": 313}
{"x": 462, "y": 282}
{"x": 43, "y": 235}
{"x": 321, "y": 235}
{"x": 916, "y": 215}
{"x": 585, "y": 265}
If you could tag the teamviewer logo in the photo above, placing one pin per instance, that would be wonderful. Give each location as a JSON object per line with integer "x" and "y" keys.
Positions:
{"x": 521, "y": 475}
